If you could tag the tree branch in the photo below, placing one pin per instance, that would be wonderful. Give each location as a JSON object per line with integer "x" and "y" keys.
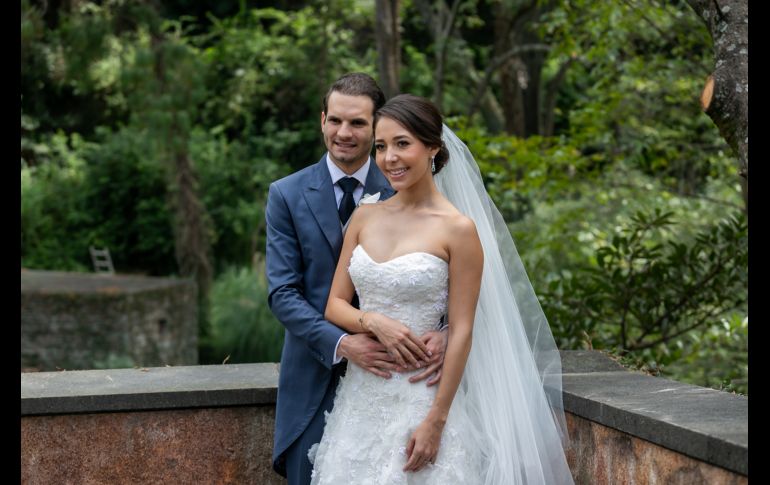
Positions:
{"x": 498, "y": 62}
{"x": 550, "y": 95}
{"x": 660, "y": 31}
{"x": 681, "y": 332}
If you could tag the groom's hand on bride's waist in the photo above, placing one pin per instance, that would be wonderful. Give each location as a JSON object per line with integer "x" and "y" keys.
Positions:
{"x": 365, "y": 351}
{"x": 436, "y": 342}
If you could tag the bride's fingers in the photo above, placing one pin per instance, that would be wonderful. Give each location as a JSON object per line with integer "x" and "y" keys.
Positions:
{"x": 412, "y": 463}
{"x": 414, "y": 458}
{"x": 396, "y": 353}
{"x": 410, "y": 447}
{"x": 407, "y": 354}
{"x": 419, "y": 462}
{"x": 417, "y": 348}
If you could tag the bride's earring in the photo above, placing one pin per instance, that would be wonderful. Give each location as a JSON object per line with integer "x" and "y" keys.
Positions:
{"x": 432, "y": 164}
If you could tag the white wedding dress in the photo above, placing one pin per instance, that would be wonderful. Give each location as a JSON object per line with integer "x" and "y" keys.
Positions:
{"x": 366, "y": 434}
{"x": 506, "y": 425}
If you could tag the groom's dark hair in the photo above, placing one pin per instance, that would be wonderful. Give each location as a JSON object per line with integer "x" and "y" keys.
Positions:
{"x": 357, "y": 84}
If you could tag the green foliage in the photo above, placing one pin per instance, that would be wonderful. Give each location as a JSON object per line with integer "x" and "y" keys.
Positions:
{"x": 620, "y": 218}
{"x": 54, "y": 217}
{"x": 648, "y": 292}
{"x": 242, "y": 326}
{"x": 233, "y": 183}
{"x": 126, "y": 196}
{"x": 104, "y": 194}
{"x": 631, "y": 97}
{"x": 520, "y": 173}
{"x": 271, "y": 69}
{"x": 716, "y": 356}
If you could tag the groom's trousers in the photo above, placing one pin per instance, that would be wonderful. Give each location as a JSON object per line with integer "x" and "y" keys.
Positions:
{"x": 298, "y": 466}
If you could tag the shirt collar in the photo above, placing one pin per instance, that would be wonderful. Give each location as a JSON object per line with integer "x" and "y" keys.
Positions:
{"x": 337, "y": 172}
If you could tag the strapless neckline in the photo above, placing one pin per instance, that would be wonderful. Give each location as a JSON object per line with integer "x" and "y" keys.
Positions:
{"x": 402, "y": 256}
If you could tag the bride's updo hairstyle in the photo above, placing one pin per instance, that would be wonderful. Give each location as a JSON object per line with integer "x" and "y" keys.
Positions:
{"x": 421, "y": 118}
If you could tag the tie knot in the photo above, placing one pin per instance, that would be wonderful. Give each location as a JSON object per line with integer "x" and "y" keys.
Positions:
{"x": 348, "y": 184}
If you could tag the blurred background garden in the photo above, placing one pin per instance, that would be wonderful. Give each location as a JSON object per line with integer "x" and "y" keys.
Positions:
{"x": 154, "y": 129}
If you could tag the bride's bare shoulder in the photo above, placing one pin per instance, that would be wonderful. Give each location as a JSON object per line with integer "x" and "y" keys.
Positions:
{"x": 462, "y": 226}
{"x": 456, "y": 221}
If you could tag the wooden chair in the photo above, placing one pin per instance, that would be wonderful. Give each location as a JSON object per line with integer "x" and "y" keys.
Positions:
{"x": 102, "y": 260}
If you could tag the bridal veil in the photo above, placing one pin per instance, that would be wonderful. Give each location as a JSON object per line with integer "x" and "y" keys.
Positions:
{"x": 512, "y": 380}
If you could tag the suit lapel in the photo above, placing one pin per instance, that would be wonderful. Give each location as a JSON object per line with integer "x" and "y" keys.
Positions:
{"x": 375, "y": 182}
{"x": 319, "y": 195}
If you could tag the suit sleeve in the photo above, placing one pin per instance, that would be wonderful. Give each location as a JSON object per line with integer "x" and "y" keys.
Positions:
{"x": 285, "y": 283}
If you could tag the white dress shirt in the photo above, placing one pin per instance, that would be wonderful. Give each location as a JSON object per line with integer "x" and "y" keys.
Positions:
{"x": 336, "y": 174}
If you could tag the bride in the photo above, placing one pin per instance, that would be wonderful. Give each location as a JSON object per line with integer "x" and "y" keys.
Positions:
{"x": 439, "y": 246}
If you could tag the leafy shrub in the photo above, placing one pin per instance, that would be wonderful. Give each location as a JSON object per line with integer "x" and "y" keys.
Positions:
{"x": 651, "y": 297}
{"x": 54, "y": 215}
{"x": 716, "y": 356}
{"x": 242, "y": 325}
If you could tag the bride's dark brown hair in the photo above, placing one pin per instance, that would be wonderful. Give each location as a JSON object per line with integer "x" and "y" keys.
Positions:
{"x": 421, "y": 118}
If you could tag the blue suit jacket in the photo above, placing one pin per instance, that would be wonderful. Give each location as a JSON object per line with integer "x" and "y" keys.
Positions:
{"x": 304, "y": 239}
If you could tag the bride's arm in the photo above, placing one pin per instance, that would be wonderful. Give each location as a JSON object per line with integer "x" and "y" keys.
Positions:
{"x": 402, "y": 344}
{"x": 338, "y": 308}
{"x": 465, "y": 268}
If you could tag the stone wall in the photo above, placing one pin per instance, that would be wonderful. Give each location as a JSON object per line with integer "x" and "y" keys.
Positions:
{"x": 632, "y": 428}
{"x": 214, "y": 425}
{"x": 602, "y": 455}
{"x": 187, "y": 425}
{"x": 85, "y": 321}
{"x": 226, "y": 446}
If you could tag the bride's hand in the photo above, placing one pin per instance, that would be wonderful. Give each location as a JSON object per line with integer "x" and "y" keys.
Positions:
{"x": 401, "y": 342}
{"x": 436, "y": 342}
{"x": 423, "y": 445}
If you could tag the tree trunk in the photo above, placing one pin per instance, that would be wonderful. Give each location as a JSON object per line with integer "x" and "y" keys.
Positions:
{"x": 388, "y": 45}
{"x": 488, "y": 105}
{"x": 549, "y": 105}
{"x": 725, "y": 97}
{"x": 531, "y": 93}
{"x": 510, "y": 71}
{"x": 520, "y": 77}
{"x": 191, "y": 241}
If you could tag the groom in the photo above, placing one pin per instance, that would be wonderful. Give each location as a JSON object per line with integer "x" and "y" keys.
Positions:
{"x": 306, "y": 212}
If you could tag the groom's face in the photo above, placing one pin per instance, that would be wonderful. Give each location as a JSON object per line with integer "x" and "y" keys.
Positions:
{"x": 347, "y": 129}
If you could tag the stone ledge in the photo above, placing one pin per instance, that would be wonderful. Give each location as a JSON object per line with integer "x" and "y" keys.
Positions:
{"x": 60, "y": 283}
{"x": 703, "y": 423}
{"x": 92, "y": 391}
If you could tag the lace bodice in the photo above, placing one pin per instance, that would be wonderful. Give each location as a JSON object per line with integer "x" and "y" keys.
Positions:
{"x": 411, "y": 288}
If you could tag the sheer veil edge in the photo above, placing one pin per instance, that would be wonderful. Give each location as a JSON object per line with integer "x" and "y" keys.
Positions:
{"x": 512, "y": 383}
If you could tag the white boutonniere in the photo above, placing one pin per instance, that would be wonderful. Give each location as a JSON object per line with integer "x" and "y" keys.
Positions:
{"x": 369, "y": 199}
{"x": 365, "y": 199}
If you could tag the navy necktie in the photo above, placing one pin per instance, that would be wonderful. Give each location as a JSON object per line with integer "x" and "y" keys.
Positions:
{"x": 347, "y": 204}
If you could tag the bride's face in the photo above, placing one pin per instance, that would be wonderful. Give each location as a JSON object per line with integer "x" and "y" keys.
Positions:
{"x": 401, "y": 156}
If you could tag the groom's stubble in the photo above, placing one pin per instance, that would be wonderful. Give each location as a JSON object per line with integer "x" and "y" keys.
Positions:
{"x": 347, "y": 128}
